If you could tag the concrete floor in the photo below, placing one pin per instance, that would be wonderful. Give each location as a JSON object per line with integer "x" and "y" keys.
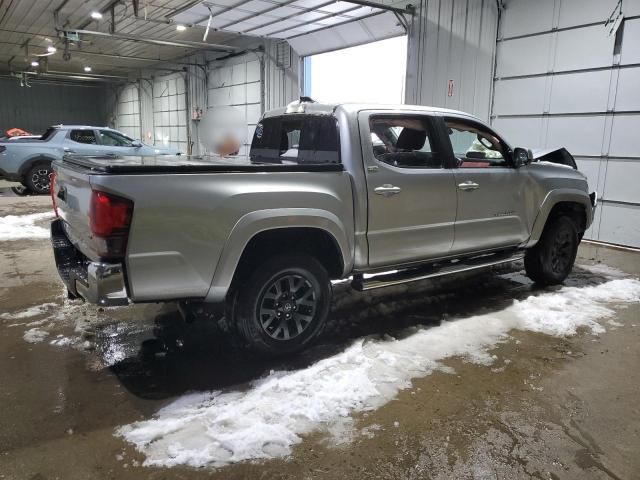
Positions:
{"x": 564, "y": 408}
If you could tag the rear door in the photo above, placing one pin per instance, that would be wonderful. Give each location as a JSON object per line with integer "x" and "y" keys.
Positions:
{"x": 410, "y": 189}
{"x": 491, "y": 192}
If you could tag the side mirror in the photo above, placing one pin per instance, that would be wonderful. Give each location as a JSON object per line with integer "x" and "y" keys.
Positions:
{"x": 136, "y": 144}
{"x": 521, "y": 157}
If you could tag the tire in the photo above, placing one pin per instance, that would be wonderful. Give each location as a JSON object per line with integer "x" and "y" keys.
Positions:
{"x": 21, "y": 190}
{"x": 37, "y": 178}
{"x": 281, "y": 305}
{"x": 551, "y": 260}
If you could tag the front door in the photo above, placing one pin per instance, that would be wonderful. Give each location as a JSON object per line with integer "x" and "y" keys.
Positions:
{"x": 491, "y": 192}
{"x": 411, "y": 195}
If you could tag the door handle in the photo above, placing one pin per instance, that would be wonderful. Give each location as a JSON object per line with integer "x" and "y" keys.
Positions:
{"x": 387, "y": 190}
{"x": 469, "y": 185}
{"x": 68, "y": 150}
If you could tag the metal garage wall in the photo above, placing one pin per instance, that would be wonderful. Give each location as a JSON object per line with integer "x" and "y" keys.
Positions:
{"x": 237, "y": 82}
{"x": 451, "y": 54}
{"x": 170, "y": 111}
{"x": 127, "y": 111}
{"x": 559, "y": 82}
{"x": 45, "y": 103}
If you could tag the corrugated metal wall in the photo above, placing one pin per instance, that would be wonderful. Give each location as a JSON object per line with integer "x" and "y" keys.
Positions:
{"x": 560, "y": 81}
{"x": 45, "y": 104}
{"x": 450, "y": 54}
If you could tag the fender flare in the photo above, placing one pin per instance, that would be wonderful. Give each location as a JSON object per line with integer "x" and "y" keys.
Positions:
{"x": 253, "y": 223}
{"x": 551, "y": 200}
{"x": 30, "y": 162}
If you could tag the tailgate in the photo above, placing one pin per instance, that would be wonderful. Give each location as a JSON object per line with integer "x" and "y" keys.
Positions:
{"x": 72, "y": 196}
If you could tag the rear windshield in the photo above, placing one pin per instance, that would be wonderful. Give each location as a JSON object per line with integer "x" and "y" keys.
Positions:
{"x": 296, "y": 139}
{"x": 48, "y": 133}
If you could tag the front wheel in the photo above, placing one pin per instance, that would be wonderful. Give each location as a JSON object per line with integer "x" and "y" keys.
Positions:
{"x": 551, "y": 260}
{"x": 282, "y": 305}
{"x": 37, "y": 179}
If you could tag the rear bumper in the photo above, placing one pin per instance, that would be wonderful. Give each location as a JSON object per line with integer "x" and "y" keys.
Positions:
{"x": 96, "y": 282}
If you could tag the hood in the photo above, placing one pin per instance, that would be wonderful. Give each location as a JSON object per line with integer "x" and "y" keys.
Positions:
{"x": 559, "y": 156}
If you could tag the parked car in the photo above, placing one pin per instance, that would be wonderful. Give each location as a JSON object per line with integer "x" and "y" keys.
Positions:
{"x": 328, "y": 192}
{"x": 28, "y": 160}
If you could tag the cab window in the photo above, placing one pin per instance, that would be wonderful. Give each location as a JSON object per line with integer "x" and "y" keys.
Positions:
{"x": 83, "y": 136}
{"x": 404, "y": 141}
{"x": 114, "y": 139}
{"x": 475, "y": 146}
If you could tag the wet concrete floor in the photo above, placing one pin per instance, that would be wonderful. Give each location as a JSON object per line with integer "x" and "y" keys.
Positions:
{"x": 562, "y": 408}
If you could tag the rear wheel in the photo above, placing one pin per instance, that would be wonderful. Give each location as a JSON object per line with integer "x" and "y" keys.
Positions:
{"x": 551, "y": 260}
{"x": 37, "y": 179}
{"x": 282, "y": 305}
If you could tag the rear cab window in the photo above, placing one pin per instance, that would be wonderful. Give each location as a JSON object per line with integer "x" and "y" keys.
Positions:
{"x": 83, "y": 136}
{"x": 296, "y": 139}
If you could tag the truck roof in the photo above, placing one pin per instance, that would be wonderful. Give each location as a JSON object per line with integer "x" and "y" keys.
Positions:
{"x": 306, "y": 105}
{"x": 80, "y": 127}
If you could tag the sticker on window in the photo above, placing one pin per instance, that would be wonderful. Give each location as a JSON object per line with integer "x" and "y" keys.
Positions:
{"x": 259, "y": 130}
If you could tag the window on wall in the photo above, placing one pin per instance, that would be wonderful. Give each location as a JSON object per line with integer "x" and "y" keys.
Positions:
{"x": 373, "y": 72}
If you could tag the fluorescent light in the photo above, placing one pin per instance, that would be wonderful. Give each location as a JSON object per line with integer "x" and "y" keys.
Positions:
{"x": 51, "y": 49}
{"x": 87, "y": 69}
{"x": 34, "y": 63}
{"x": 96, "y": 15}
{"x": 180, "y": 27}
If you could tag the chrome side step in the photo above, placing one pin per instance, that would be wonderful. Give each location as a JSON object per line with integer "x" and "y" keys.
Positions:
{"x": 434, "y": 270}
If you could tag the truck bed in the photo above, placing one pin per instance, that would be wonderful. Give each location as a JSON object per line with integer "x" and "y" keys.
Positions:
{"x": 168, "y": 164}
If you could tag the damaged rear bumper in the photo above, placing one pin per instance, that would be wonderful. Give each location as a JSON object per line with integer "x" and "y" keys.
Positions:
{"x": 97, "y": 282}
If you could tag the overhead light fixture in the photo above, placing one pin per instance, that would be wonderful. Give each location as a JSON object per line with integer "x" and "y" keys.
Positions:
{"x": 180, "y": 27}
{"x": 96, "y": 15}
{"x": 87, "y": 69}
{"x": 51, "y": 49}
{"x": 34, "y": 63}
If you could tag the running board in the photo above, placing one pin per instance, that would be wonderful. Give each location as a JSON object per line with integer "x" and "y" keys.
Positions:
{"x": 434, "y": 270}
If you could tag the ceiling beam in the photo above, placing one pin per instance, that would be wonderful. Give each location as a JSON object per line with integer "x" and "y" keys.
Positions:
{"x": 157, "y": 41}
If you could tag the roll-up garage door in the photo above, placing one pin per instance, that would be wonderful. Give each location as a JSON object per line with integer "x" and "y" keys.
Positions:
{"x": 170, "y": 112}
{"x": 236, "y": 83}
{"x": 127, "y": 118}
{"x": 564, "y": 78}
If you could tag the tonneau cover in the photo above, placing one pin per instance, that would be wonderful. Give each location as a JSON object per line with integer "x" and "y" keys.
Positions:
{"x": 188, "y": 164}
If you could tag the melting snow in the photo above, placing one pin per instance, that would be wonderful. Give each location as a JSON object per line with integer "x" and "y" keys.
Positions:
{"x": 35, "y": 335}
{"x": 268, "y": 418}
{"x": 16, "y": 227}
{"x": 29, "y": 312}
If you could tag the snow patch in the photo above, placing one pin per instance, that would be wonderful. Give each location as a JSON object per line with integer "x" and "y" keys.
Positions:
{"x": 35, "y": 335}
{"x": 268, "y": 418}
{"x": 29, "y": 312}
{"x": 62, "y": 341}
{"x": 16, "y": 227}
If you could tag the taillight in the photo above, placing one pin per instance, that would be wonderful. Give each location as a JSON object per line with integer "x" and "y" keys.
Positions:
{"x": 52, "y": 191}
{"x": 110, "y": 217}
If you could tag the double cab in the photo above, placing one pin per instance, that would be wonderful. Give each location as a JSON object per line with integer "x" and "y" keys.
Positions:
{"x": 327, "y": 192}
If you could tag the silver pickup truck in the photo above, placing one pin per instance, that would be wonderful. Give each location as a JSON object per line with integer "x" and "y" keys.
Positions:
{"x": 328, "y": 192}
{"x": 28, "y": 160}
